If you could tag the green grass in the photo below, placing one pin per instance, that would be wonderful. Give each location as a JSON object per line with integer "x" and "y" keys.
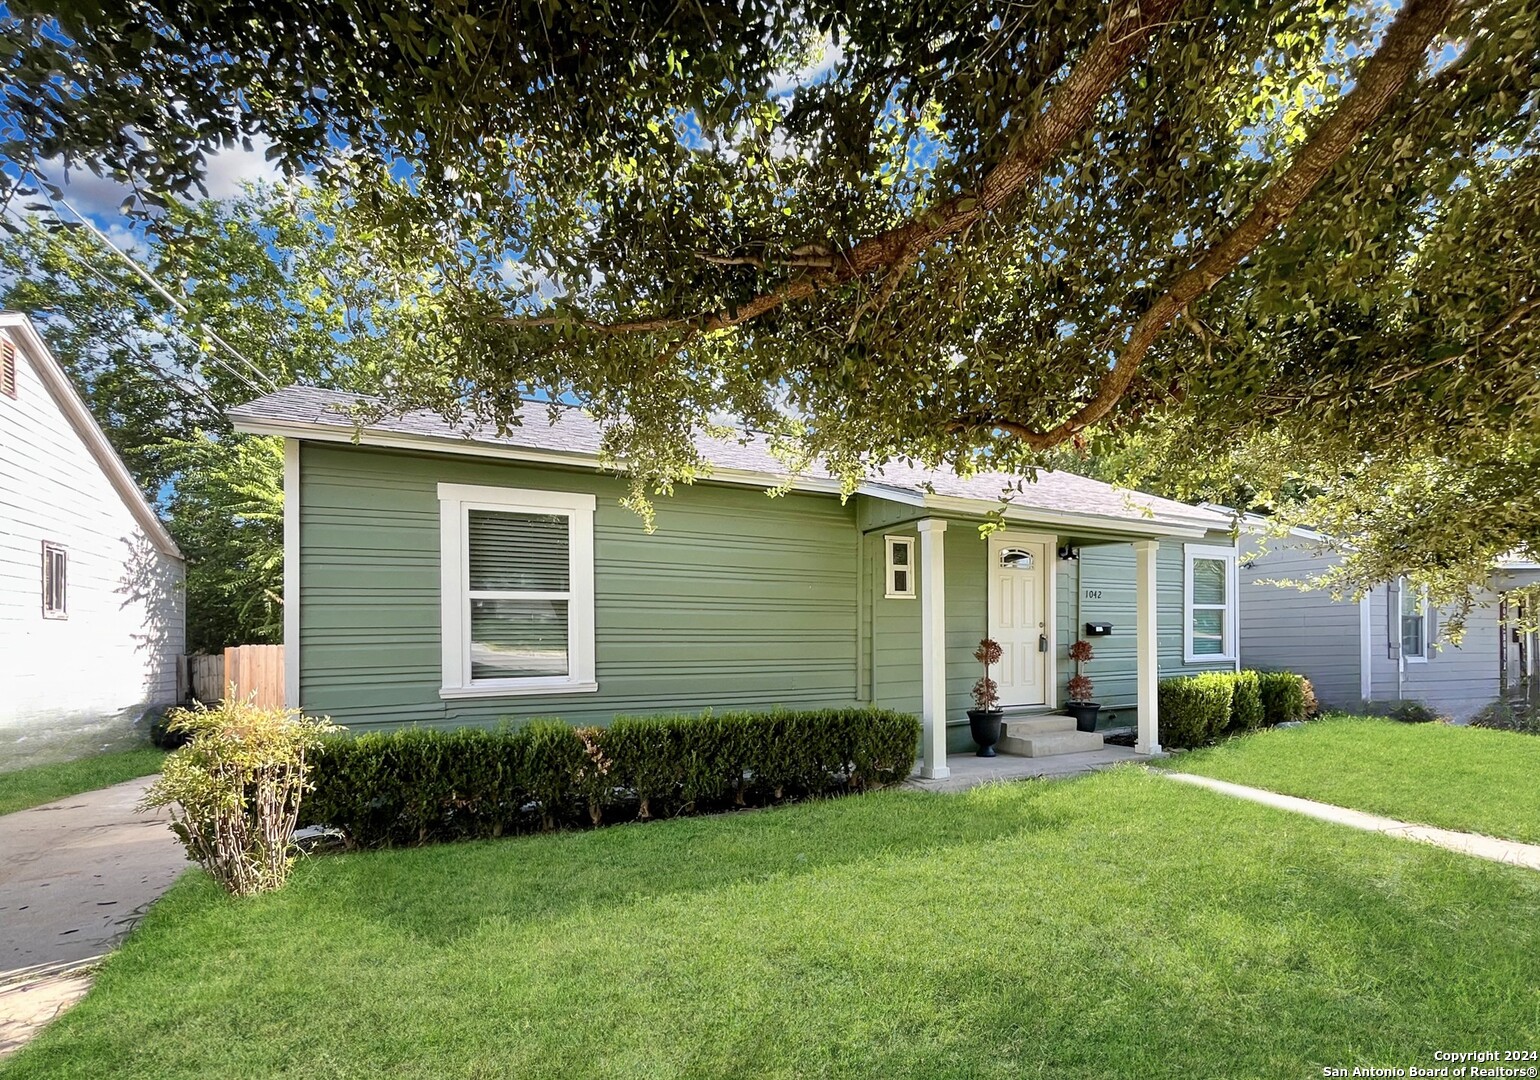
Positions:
{"x": 1471, "y": 779}
{"x": 1116, "y": 925}
{"x": 38, "y": 784}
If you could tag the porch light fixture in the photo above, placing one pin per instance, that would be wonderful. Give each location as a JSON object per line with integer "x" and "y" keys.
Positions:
{"x": 1069, "y": 553}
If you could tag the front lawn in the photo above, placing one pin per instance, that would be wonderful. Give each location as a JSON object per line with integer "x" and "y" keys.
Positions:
{"x": 1116, "y": 925}
{"x": 1471, "y": 779}
{"x": 39, "y": 784}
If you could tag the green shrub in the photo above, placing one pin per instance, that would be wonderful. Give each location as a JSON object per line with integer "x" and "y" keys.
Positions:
{"x": 235, "y": 789}
{"x": 1246, "y": 709}
{"x": 1283, "y": 697}
{"x": 1194, "y": 709}
{"x": 553, "y": 756}
{"x": 420, "y": 785}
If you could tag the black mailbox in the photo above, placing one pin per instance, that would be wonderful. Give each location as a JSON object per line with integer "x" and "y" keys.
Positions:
{"x": 1098, "y": 629}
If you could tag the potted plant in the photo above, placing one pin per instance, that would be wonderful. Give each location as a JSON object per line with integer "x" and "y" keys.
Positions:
{"x": 984, "y": 721}
{"x": 1081, "y": 707}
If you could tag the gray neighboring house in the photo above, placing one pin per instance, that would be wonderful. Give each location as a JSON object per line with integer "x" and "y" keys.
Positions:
{"x": 1385, "y": 647}
{"x": 91, "y": 598}
{"x": 444, "y": 576}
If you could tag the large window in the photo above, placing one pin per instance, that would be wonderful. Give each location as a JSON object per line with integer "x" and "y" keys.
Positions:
{"x": 1208, "y": 606}
{"x": 1414, "y": 623}
{"x": 55, "y": 581}
{"x": 518, "y": 592}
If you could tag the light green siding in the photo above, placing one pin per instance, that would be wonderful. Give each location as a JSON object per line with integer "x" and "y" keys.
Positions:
{"x": 737, "y": 600}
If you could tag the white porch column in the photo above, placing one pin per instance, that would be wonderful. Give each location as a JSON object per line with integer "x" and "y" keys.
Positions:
{"x": 1147, "y": 649}
{"x": 933, "y": 649}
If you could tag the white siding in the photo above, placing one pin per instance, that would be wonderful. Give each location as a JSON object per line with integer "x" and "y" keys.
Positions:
{"x": 1287, "y": 629}
{"x": 117, "y": 650}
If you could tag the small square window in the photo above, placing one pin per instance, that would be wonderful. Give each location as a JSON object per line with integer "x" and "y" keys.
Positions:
{"x": 900, "y": 567}
{"x": 55, "y": 581}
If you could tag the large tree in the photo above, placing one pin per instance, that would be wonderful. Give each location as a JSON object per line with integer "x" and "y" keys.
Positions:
{"x": 266, "y": 289}
{"x": 944, "y": 230}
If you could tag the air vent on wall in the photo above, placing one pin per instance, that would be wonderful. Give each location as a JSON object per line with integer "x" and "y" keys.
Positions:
{"x": 7, "y": 368}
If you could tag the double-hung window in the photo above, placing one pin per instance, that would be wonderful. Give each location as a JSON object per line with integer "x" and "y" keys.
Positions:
{"x": 1414, "y": 623}
{"x": 1209, "y": 604}
{"x": 900, "y": 567}
{"x": 517, "y": 591}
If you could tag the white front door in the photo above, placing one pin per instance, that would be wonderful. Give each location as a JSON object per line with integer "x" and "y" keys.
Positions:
{"x": 1018, "y": 620}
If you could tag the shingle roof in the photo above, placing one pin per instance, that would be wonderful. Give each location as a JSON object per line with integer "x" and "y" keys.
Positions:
{"x": 575, "y": 433}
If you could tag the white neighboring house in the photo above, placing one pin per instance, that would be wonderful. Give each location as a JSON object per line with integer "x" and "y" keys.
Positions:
{"x": 91, "y": 584}
{"x": 1386, "y": 647}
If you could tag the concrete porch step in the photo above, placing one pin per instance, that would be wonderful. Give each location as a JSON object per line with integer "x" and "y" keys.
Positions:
{"x": 1064, "y": 740}
{"x": 1036, "y": 724}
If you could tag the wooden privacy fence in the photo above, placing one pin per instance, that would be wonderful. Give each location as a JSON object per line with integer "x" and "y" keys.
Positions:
{"x": 256, "y": 671}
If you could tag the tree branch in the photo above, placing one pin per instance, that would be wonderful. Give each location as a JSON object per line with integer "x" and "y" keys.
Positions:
{"x": 1070, "y": 109}
{"x": 1382, "y": 79}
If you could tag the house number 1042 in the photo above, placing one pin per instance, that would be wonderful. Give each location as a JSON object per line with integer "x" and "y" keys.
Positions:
{"x": 1093, "y": 594}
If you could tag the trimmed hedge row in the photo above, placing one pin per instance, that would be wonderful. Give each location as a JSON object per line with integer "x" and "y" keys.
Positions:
{"x": 419, "y": 785}
{"x": 1197, "y": 709}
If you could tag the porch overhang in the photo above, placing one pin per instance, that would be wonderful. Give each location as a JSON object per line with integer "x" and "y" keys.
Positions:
{"x": 1106, "y": 527}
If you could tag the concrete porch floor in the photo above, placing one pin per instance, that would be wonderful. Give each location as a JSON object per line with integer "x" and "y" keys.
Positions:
{"x": 969, "y": 770}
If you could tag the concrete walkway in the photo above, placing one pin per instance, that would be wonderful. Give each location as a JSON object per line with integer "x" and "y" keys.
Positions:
{"x": 75, "y": 875}
{"x": 1483, "y": 847}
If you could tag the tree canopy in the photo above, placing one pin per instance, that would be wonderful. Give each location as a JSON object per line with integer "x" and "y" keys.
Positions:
{"x": 275, "y": 270}
{"x": 1282, "y": 246}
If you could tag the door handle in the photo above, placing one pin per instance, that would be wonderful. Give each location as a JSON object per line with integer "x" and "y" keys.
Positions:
{"x": 1042, "y": 643}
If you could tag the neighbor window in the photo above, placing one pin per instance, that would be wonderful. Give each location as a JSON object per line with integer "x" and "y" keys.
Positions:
{"x": 1414, "y": 622}
{"x": 55, "y": 581}
{"x": 900, "y": 567}
{"x": 518, "y": 591}
{"x": 1209, "y": 604}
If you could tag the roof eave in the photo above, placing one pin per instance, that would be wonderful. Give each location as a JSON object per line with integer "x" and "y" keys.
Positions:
{"x": 396, "y": 440}
{"x": 79, "y": 415}
{"x": 1141, "y": 527}
{"x": 465, "y": 447}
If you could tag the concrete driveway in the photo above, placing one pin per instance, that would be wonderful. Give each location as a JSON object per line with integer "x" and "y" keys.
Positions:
{"x": 75, "y": 875}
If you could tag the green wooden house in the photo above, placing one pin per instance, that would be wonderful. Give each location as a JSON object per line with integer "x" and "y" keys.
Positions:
{"x": 446, "y": 577}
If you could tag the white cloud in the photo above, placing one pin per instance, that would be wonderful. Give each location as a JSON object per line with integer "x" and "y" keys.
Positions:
{"x": 225, "y": 171}
{"x": 825, "y": 59}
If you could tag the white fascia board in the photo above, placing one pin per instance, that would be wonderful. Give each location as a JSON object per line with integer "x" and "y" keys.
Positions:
{"x": 433, "y": 444}
{"x": 1071, "y": 519}
{"x": 79, "y": 415}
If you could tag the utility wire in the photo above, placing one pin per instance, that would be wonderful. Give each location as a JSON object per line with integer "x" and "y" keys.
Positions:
{"x": 149, "y": 280}
{"x": 100, "y": 276}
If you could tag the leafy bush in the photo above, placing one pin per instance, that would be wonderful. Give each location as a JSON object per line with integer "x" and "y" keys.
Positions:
{"x": 161, "y": 735}
{"x": 1194, "y": 709}
{"x": 1283, "y": 697}
{"x": 1246, "y": 709}
{"x": 235, "y": 789}
{"x": 420, "y": 785}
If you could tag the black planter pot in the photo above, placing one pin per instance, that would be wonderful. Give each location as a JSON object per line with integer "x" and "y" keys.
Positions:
{"x": 985, "y": 726}
{"x": 1085, "y": 714}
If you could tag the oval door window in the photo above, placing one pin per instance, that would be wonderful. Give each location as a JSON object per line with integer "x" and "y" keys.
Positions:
{"x": 1015, "y": 559}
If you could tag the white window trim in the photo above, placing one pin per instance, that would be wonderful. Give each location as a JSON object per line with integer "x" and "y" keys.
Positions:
{"x": 455, "y": 503}
{"x": 50, "y": 549}
{"x": 1422, "y": 606}
{"x": 1227, "y": 555}
{"x": 892, "y": 542}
